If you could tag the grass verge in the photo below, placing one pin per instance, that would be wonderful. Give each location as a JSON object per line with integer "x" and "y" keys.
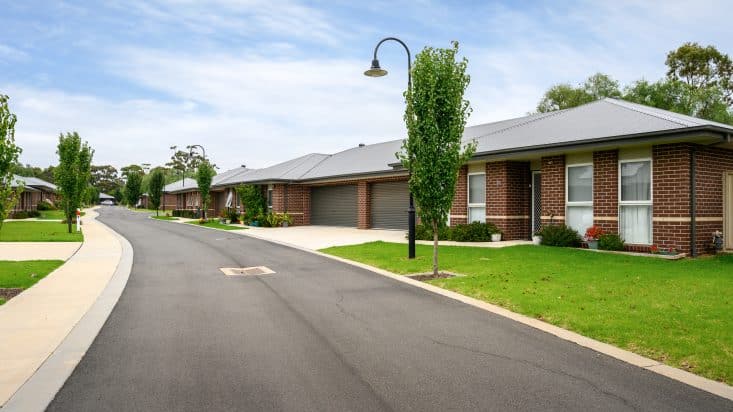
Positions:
{"x": 164, "y": 217}
{"x": 677, "y": 312}
{"x": 25, "y": 274}
{"x": 38, "y": 232}
{"x": 54, "y": 214}
{"x": 216, "y": 225}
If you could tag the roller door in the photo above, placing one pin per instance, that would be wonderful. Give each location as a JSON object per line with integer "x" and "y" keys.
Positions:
{"x": 334, "y": 206}
{"x": 389, "y": 205}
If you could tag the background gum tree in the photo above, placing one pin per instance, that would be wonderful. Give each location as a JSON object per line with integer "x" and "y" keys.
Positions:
{"x": 155, "y": 188}
{"x": 9, "y": 153}
{"x": 133, "y": 184}
{"x": 73, "y": 174}
{"x": 204, "y": 175}
{"x": 435, "y": 116}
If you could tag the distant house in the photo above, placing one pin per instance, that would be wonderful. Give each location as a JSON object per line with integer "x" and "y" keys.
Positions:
{"x": 35, "y": 191}
{"x": 105, "y": 197}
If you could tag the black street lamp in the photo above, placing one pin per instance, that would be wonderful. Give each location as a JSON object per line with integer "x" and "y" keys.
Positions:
{"x": 190, "y": 149}
{"x": 377, "y": 71}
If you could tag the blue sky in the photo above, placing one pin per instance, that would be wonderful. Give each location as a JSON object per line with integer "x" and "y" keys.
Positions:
{"x": 258, "y": 82}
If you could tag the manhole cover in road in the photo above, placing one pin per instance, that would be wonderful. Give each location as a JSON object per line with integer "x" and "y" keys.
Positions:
{"x": 250, "y": 271}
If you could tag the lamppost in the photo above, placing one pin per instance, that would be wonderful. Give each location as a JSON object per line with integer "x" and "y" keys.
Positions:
{"x": 377, "y": 71}
{"x": 190, "y": 149}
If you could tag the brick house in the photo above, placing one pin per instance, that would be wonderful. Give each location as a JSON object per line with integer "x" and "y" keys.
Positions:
{"x": 653, "y": 176}
{"x": 35, "y": 191}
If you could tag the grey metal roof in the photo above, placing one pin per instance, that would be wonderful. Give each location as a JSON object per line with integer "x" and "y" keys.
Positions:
{"x": 34, "y": 182}
{"x": 602, "y": 119}
{"x": 103, "y": 196}
{"x": 231, "y": 177}
{"x": 183, "y": 185}
{"x": 292, "y": 169}
{"x": 373, "y": 158}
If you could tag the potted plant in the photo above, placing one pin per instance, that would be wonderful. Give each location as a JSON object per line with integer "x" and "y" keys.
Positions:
{"x": 286, "y": 220}
{"x": 591, "y": 236}
{"x": 496, "y": 237}
{"x": 537, "y": 237}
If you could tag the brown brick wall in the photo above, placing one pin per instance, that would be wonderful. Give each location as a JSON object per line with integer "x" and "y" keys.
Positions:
{"x": 553, "y": 189}
{"x": 712, "y": 164}
{"x": 298, "y": 204}
{"x": 605, "y": 190}
{"x": 508, "y": 198}
{"x": 671, "y": 195}
{"x": 459, "y": 209}
{"x": 364, "y": 204}
{"x": 278, "y": 198}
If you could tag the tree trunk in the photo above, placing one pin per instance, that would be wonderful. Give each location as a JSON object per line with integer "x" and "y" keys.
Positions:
{"x": 68, "y": 220}
{"x": 435, "y": 248}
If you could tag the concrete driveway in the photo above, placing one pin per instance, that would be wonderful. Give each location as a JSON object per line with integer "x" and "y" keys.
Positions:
{"x": 319, "y": 237}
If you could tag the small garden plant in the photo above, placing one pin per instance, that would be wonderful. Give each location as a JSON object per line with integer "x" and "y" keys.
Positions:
{"x": 560, "y": 235}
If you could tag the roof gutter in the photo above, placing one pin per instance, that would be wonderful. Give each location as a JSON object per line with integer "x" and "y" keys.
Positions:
{"x": 693, "y": 201}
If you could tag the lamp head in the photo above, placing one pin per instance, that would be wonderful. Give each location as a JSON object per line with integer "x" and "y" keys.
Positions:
{"x": 375, "y": 70}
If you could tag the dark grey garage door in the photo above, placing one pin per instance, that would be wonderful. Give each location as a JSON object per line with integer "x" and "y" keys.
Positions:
{"x": 334, "y": 206}
{"x": 389, "y": 205}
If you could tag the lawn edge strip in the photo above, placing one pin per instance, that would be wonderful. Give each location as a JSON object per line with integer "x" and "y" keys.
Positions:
{"x": 189, "y": 222}
{"x": 708, "y": 385}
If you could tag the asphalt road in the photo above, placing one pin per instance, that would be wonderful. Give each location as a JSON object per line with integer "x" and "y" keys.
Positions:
{"x": 320, "y": 335}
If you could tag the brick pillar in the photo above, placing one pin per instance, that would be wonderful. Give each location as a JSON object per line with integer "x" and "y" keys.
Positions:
{"x": 278, "y": 198}
{"x": 508, "y": 198}
{"x": 605, "y": 190}
{"x": 671, "y": 196}
{"x": 459, "y": 209}
{"x": 297, "y": 202}
{"x": 553, "y": 189}
{"x": 364, "y": 203}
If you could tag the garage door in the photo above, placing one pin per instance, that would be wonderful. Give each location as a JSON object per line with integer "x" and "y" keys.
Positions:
{"x": 389, "y": 205}
{"x": 334, "y": 206}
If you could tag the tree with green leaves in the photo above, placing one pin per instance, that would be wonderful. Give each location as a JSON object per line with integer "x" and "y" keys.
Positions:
{"x": 204, "y": 175}
{"x": 435, "y": 116}
{"x": 564, "y": 96}
{"x": 133, "y": 184}
{"x": 702, "y": 68}
{"x": 252, "y": 200}
{"x": 106, "y": 178}
{"x": 155, "y": 188}
{"x": 9, "y": 153}
{"x": 73, "y": 173}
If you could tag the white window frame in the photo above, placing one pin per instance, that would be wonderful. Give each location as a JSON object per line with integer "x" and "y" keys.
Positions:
{"x": 569, "y": 204}
{"x": 468, "y": 196}
{"x": 270, "y": 196}
{"x": 649, "y": 202}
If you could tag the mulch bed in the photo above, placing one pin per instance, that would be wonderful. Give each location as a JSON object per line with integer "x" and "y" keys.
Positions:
{"x": 9, "y": 293}
{"x": 429, "y": 276}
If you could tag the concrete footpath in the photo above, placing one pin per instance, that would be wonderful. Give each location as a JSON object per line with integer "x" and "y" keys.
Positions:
{"x": 38, "y": 250}
{"x": 36, "y": 322}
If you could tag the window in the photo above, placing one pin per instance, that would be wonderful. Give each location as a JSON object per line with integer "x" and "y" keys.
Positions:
{"x": 477, "y": 197}
{"x": 635, "y": 201}
{"x": 579, "y": 197}
{"x": 269, "y": 196}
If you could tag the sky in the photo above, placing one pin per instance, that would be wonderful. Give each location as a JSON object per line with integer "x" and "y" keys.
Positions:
{"x": 260, "y": 82}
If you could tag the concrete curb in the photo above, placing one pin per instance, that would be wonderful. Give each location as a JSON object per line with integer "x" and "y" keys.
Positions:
{"x": 41, "y": 388}
{"x": 699, "y": 382}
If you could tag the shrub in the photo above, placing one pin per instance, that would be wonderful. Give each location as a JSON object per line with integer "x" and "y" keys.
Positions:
{"x": 45, "y": 205}
{"x": 474, "y": 232}
{"x": 560, "y": 235}
{"x": 190, "y": 214}
{"x": 610, "y": 241}
{"x": 233, "y": 216}
{"x": 19, "y": 215}
{"x": 274, "y": 219}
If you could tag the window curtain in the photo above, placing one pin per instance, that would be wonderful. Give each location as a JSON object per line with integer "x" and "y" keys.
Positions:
{"x": 580, "y": 218}
{"x": 477, "y": 189}
{"x": 580, "y": 184}
{"x": 636, "y": 181}
{"x": 477, "y": 214}
{"x": 635, "y": 224}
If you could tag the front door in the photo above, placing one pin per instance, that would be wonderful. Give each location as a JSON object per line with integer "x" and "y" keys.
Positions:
{"x": 728, "y": 206}
{"x": 536, "y": 201}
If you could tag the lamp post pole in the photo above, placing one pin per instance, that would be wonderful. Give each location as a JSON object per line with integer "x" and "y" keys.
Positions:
{"x": 377, "y": 71}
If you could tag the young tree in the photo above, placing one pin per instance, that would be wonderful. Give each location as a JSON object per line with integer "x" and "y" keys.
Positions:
{"x": 133, "y": 185}
{"x": 73, "y": 173}
{"x": 435, "y": 116}
{"x": 155, "y": 188}
{"x": 9, "y": 153}
{"x": 204, "y": 175}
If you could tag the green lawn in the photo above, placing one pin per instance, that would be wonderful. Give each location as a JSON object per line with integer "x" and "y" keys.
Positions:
{"x": 216, "y": 225}
{"x": 678, "y": 312}
{"x": 54, "y": 214}
{"x": 19, "y": 274}
{"x": 165, "y": 217}
{"x": 38, "y": 232}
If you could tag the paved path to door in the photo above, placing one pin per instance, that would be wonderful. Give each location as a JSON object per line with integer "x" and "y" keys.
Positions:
{"x": 321, "y": 335}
